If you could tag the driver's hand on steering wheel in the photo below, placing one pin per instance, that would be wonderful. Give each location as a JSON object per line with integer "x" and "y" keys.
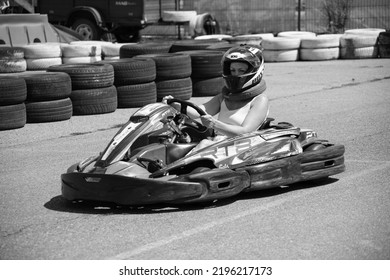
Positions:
{"x": 165, "y": 98}
{"x": 208, "y": 121}
{"x": 174, "y": 105}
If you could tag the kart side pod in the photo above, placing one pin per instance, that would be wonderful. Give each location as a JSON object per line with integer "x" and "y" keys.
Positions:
{"x": 218, "y": 183}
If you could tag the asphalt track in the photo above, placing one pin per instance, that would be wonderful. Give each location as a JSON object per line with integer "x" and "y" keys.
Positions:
{"x": 343, "y": 217}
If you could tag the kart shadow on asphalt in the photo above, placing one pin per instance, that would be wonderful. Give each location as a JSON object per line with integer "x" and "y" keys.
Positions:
{"x": 58, "y": 203}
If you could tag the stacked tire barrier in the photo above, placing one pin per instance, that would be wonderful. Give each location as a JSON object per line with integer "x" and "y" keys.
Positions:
{"x": 147, "y": 72}
{"x": 134, "y": 81}
{"x": 173, "y": 72}
{"x": 296, "y": 34}
{"x": 12, "y": 60}
{"x": 245, "y": 39}
{"x": 48, "y": 97}
{"x": 359, "y": 43}
{"x": 384, "y": 44}
{"x": 112, "y": 51}
{"x": 13, "y": 93}
{"x": 93, "y": 90}
{"x": 256, "y": 35}
{"x": 281, "y": 49}
{"x": 285, "y": 47}
{"x": 189, "y": 45}
{"x": 40, "y": 56}
{"x": 81, "y": 53}
{"x": 131, "y": 50}
{"x": 206, "y": 72}
{"x": 322, "y": 47}
{"x": 223, "y": 46}
{"x": 213, "y": 37}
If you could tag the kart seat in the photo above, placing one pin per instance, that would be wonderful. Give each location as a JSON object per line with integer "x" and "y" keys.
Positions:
{"x": 178, "y": 150}
{"x": 266, "y": 123}
{"x": 280, "y": 125}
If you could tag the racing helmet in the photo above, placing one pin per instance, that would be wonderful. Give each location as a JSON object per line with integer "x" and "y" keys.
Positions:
{"x": 253, "y": 57}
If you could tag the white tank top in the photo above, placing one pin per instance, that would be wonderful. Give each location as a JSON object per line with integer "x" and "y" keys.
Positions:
{"x": 234, "y": 117}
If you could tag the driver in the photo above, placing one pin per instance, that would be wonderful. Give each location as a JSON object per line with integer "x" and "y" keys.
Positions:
{"x": 242, "y": 106}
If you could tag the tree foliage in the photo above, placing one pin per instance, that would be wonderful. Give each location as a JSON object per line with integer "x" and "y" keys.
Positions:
{"x": 337, "y": 13}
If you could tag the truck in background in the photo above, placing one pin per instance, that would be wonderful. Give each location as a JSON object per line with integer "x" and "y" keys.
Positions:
{"x": 97, "y": 19}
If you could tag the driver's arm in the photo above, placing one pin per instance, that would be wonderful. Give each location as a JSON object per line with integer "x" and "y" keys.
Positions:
{"x": 256, "y": 116}
{"x": 211, "y": 107}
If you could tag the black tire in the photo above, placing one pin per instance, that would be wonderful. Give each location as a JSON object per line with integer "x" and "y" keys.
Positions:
{"x": 13, "y": 90}
{"x": 48, "y": 86}
{"x": 130, "y": 71}
{"x": 384, "y": 44}
{"x": 128, "y": 36}
{"x": 94, "y": 101}
{"x": 190, "y": 45}
{"x": 207, "y": 87}
{"x": 179, "y": 88}
{"x": 222, "y": 46}
{"x": 205, "y": 63}
{"x": 86, "y": 76}
{"x": 384, "y": 38}
{"x": 171, "y": 66}
{"x": 384, "y": 51}
{"x": 87, "y": 29}
{"x": 132, "y": 50}
{"x": 12, "y": 116}
{"x": 133, "y": 96}
{"x": 49, "y": 111}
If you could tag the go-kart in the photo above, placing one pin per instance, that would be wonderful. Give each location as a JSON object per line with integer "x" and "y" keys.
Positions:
{"x": 150, "y": 160}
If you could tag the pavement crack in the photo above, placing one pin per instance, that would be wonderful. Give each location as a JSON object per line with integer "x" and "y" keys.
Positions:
{"x": 359, "y": 83}
{"x": 22, "y": 229}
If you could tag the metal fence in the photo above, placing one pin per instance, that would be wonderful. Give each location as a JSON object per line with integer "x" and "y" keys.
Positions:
{"x": 360, "y": 14}
{"x": 249, "y": 16}
{"x": 260, "y": 16}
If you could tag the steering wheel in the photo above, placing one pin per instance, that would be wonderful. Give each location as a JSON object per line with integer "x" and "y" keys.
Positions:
{"x": 183, "y": 110}
{"x": 199, "y": 130}
{"x": 184, "y": 104}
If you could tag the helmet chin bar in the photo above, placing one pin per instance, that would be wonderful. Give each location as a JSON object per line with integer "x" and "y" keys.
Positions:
{"x": 238, "y": 84}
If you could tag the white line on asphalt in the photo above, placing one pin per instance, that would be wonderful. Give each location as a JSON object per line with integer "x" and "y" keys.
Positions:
{"x": 176, "y": 237}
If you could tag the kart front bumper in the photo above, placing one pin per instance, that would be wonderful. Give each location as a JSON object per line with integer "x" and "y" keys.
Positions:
{"x": 204, "y": 186}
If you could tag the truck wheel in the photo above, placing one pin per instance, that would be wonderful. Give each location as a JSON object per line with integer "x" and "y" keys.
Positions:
{"x": 86, "y": 28}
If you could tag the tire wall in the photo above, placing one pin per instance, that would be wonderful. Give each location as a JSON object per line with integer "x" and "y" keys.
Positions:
{"x": 40, "y": 56}
{"x": 93, "y": 90}
{"x": 173, "y": 72}
{"x": 13, "y": 93}
{"x": 99, "y": 77}
{"x": 48, "y": 97}
{"x": 206, "y": 70}
{"x": 135, "y": 81}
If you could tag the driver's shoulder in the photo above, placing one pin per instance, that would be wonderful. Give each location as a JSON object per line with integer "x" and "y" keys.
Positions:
{"x": 260, "y": 99}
